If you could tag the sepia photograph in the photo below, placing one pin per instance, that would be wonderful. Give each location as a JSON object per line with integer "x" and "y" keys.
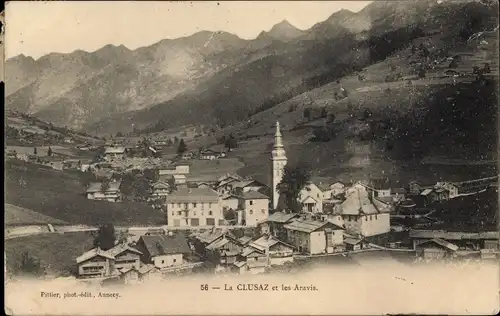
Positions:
{"x": 251, "y": 157}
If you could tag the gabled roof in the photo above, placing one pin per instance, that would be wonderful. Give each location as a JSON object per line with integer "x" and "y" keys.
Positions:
{"x": 309, "y": 226}
{"x": 146, "y": 268}
{"x": 245, "y": 183}
{"x": 358, "y": 203}
{"x": 266, "y": 242}
{"x": 240, "y": 264}
{"x": 249, "y": 250}
{"x": 218, "y": 244}
{"x": 158, "y": 245}
{"x": 281, "y": 217}
{"x": 352, "y": 241}
{"x": 94, "y": 253}
{"x": 209, "y": 236}
{"x": 254, "y": 195}
{"x": 426, "y": 191}
{"x": 442, "y": 243}
{"x": 245, "y": 240}
{"x": 193, "y": 195}
{"x": 120, "y": 248}
{"x": 305, "y": 200}
{"x": 160, "y": 184}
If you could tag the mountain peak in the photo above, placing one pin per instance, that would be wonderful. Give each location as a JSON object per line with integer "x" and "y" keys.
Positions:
{"x": 284, "y": 30}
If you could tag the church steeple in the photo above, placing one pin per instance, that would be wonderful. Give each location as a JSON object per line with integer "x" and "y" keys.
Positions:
{"x": 279, "y": 160}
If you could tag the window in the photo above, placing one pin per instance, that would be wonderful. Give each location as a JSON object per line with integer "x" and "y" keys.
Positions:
{"x": 179, "y": 213}
{"x": 263, "y": 211}
{"x": 251, "y": 202}
{"x": 251, "y": 211}
{"x": 173, "y": 213}
{"x": 175, "y": 260}
{"x": 209, "y": 212}
{"x": 185, "y": 205}
{"x": 163, "y": 261}
{"x": 194, "y": 204}
{"x": 178, "y": 205}
{"x": 318, "y": 195}
{"x": 202, "y": 206}
{"x": 376, "y": 217}
{"x": 92, "y": 269}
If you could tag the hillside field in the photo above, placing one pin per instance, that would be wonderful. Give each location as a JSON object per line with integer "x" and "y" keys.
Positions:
{"x": 60, "y": 195}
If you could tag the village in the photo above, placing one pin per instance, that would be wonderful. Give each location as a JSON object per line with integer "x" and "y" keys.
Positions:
{"x": 239, "y": 225}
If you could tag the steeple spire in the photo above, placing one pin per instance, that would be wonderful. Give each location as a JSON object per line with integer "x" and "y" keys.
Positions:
{"x": 278, "y": 138}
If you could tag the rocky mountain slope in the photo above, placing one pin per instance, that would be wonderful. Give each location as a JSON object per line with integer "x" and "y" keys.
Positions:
{"x": 220, "y": 77}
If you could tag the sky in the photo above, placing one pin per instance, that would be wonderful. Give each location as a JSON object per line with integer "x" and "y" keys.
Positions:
{"x": 38, "y": 28}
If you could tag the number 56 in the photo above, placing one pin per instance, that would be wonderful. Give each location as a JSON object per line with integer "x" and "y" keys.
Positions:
{"x": 204, "y": 287}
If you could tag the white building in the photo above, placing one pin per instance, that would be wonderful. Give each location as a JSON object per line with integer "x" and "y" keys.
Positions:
{"x": 194, "y": 207}
{"x": 255, "y": 207}
{"x": 279, "y": 161}
{"x": 111, "y": 153}
{"x": 311, "y": 198}
{"x": 315, "y": 237}
{"x": 361, "y": 216}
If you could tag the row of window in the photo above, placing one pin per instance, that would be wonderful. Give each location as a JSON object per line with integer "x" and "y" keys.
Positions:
{"x": 368, "y": 218}
{"x": 179, "y": 213}
{"x": 186, "y": 205}
{"x": 92, "y": 269}
{"x": 263, "y": 211}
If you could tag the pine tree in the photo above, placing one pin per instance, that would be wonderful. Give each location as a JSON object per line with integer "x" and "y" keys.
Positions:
{"x": 182, "y": 147}
{"x": 106, "y": 237}
{"x": 49, "y": 152}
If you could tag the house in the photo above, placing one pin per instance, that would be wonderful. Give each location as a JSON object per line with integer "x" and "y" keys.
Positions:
{"x": 160, "y": 189}
{"x": 251, "y": 260}
{"x": 315, "y": 237}
{"x": 379, "y": 187}
{"x": 353, "y": 243}
{"x": 464, "y": 240}
{"x": 103, "y": 192}
{"x": 433, "y": 195}
{"x": 274, "y": 225}
{"x": 436, "y": 249}
{"x": 255, "y": 207}
{"x": 106, "y": 263}
{"x": 337, "y": 189}
{"x": 240, "y": 187}
{"x": 113, "y": 153}
{"x": 71, "y": 164}
{"x": 163, "y": 250}
{"x": 361, "y": 216}
{"x": 149, "y": 272}
{"x": 180, "y": 180}
{"x": 187, "y": 156}
{"x": 209, "y": 154}
{"x": 278, "y": 251}
{"x": 178, "y": 168}
{"x": 125, "y": 257}
{"x": 311, "y": 197}
{"x": 202, "y": 240}
{"x": 95, "y": 263}
{"x": 245, "y": 240}
{"x": 224, "y": 251}
{"x": 453, "y": 189}
{"x": 194, "y": 207}
{"x": 11, "y": 154}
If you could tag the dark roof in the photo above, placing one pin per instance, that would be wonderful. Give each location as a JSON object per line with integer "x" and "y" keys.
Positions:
{"x": 449, "y": 235}
{"x": 254, "y": 195}
{"x": 281, "y": 217}
{"x": 189, "y": 195}
{"x": 158, "y": 245}
{"x": 309, "y": 226}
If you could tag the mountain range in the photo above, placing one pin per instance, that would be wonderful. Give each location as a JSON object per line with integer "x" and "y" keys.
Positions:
{"x": 217, "y": 78}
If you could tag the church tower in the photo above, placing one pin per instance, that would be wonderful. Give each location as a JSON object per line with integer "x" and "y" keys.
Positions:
{"x": 279, "y": 161}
